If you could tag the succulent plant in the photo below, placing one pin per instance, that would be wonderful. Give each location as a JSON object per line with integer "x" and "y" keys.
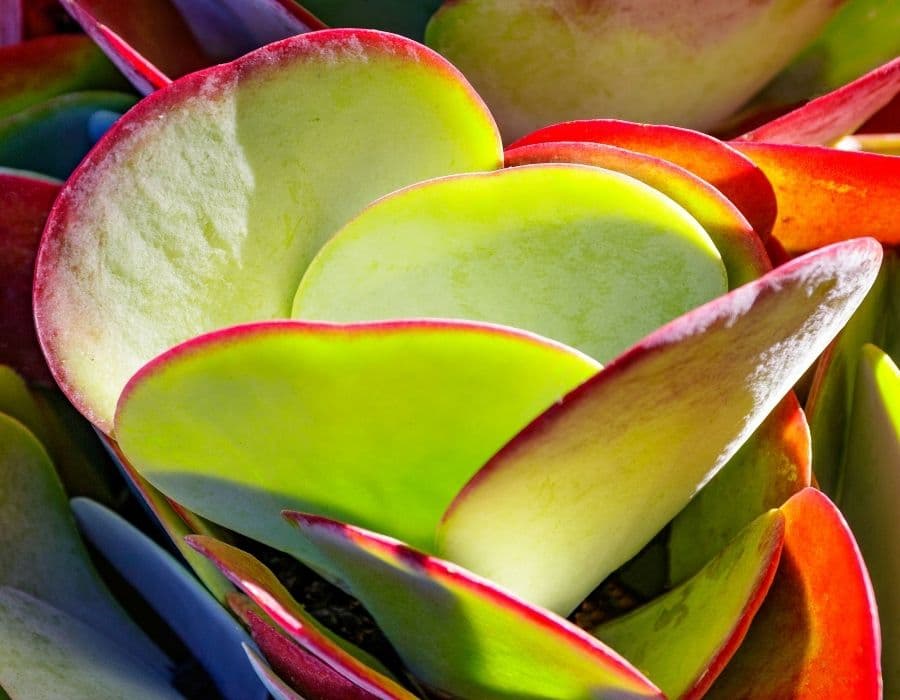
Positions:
{"x": 534, "y": 411}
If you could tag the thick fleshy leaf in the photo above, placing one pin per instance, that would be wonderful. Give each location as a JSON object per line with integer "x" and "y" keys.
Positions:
{"x": 684, "y": 638}
{"x": 602, "y": 50}
{"x": 742, "y": 251}
{"x": 773, "y": 465}
{"x": 732, "y": 174}
{"x": 54, "y": 136}
{"x": 620, "y": 456}
{"x": 431, "y": 402}
{"x": 209, "y": 632}
{"x": 407, "y": 17}
{"x": 828, "y": 118}
{"x": 260, "y": 584}
{"x": 870, "y": 491}
{"x": 861, "y": 36}
{"x": 42, "y": 553}
{"x": 305, "y": 672}
{"x": 585, "y": 256}
{"x": 826, "y": 195}
{"x": 462, "y": 635}
{"x": 816, "y": 635}
{"x": 171, "y": 520}
{"x": 830, "y": 402}
{"x": 36, "y": 70}
{"x": 47, "y": 654}
{"x": 25, "y": 202}
{"x": 277, "y": 687}
{"x": 885, "y": 144}
{"x": 226, "y": 233}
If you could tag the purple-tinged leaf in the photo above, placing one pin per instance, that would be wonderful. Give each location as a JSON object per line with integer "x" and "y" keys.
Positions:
{"x": 277, "y": 687}
{"x": 461, "y": 634}
{"x": 260, "y": 584}
{"x": 581, "y": 490}
{"x": 208, "y": 631}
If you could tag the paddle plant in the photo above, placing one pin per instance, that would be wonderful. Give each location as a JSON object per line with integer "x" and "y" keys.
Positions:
{"x": 524, "y": 400}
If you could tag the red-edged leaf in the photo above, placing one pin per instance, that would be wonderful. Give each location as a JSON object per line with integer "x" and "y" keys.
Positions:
{"x": 727, "y": 170}
{"x": 304, "y": 672}
{"x": 266, "y": 591}
{"x": 742, "y": 251}
{"x": 816, "y": 637}
{"x": 582, "y": 488}
{"x": 461, "y": 634}
{"x": 25, "y": 202}
{"x": 827, "y": 118}
{"x": 826, "y": 195}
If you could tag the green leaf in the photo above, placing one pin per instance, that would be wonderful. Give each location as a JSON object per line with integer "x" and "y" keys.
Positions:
{"x": 461, "y": 634}
{"x": 380, "y": 424}
{"x": 580, "y": 491}
{"x": 591, "y": 258}
{"x": 684, "y": 638}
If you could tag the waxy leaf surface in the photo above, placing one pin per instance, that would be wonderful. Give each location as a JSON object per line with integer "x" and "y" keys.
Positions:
{"x": 261, "y": 585}
{"x": 870, "y": 490}
{"x": 770, "y": 467}
{"x": 25, "y": 202}
{"x": 46, "y": 654}
{"x": 742, "y": 251}
{"x": 695, "y": 62}
{"x": 42, "y": 553}
{"x": 724, "y": 168}
{"x": 816, "y": 635}
{"x": 380, "y": 424}
{"x": 225, "y": 232}
{"x": 209, "y": 632}
{"x": 685, "y": 637}
{"x": 579, "y": 491}
{"x": 826, "y": 195}
{"x": 587, "y": 257}
{"x": 462, "y": 635}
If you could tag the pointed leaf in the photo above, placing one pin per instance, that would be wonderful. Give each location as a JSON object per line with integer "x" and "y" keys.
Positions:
{"x": 742, "y": 251}
{"x": 579, "y": 491}
{"x": 773, "y": 465}
{"x": 684, "y": 638}
{"x": 36, "y": 70}
{"x": 576, "y": 254}
{"x": 380, "y": 423}
{"x": 870, "y": 491}
{"x": 694, "y": 62}
{"x": 828, "y": 118}
{"x": 825, "y": 195}
{"x": 142, "y": 36}
{"x": 54, "y": 136}
{"x": 42, "y": 553}
{"x": 304, "y": 671}
{"x": 277, "y": 687}
{"x": 260, "y": 584}
{"x": 732, "y": 174}
{"x": 46, "y": 654}
{"x": 227, "y": 233}
{"x": 816, "y": 636}
{"x": 210, "y": 633}
{"x": 25, "y": 202}
{"x": 462, "y": 635}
